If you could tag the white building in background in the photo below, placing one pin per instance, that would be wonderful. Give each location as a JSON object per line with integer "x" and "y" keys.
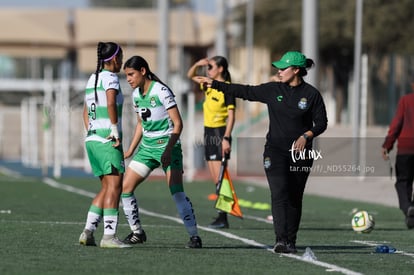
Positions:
{"x": 47, "y": 55}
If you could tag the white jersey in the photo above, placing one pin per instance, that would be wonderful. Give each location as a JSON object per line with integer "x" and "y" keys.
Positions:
{"x": 152, "y": 108}
{"x": 99, "y": 125}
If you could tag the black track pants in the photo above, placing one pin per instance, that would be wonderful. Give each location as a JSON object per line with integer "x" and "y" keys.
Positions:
{"x": 287, "y": 180}
{"x": 404, "y": 169}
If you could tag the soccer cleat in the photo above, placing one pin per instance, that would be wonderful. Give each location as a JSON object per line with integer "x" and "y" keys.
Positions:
{"x": 87, "y": 239}
{"x": 134, "y": 238}
{"x": 114, "y": 243}
{"x": 195, "y": 242}
{"x": 220, "y": 222}
{"x": 292, "y": 247}
{"x": 282, "y": 247}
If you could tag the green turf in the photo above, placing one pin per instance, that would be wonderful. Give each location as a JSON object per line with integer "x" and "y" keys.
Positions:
{"x": 40, "y": 236}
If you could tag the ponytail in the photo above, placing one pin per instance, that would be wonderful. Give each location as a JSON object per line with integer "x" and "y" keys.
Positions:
{"x": 99, "y": 66}
{"x": 221, "y": 61}
{"x": 304, "y": 70}
{"x": 105, "y": 52}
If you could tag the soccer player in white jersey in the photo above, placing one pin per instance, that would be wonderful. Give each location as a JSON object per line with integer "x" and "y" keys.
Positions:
{"x": 157, "y": 133}
{"x": 102, "y": 116}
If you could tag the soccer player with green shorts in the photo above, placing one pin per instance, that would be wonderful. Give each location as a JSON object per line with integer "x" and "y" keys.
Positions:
{"x": 157, "y": 133}
{"x": 102, "y": 116}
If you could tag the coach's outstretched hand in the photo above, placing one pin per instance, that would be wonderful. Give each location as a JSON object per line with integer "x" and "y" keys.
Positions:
{"x": 206, "y": 81}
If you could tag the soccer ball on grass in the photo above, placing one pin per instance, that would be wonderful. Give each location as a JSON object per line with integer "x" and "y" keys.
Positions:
{"x": 362, "y": 222}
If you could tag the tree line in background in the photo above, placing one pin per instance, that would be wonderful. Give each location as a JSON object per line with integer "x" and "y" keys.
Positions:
{"x": 386, "y": 35}
{"x": 386, "y": 39}
{"x": 386, "y": 24}
{"x": 386, "y": 28}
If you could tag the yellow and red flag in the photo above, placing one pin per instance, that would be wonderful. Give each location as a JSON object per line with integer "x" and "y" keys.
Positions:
{"x": 227, "y": 200}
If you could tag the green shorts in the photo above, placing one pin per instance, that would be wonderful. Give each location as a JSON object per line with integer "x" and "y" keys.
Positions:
{"x": 102, "y": 157}
{"x": 151, "y": 157}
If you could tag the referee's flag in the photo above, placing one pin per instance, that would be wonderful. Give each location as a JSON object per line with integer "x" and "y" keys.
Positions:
{"x": 227, "y": 200}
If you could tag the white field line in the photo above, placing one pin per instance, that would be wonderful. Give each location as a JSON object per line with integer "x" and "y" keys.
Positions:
{"x": 68, "y": 188}
{"x": 9, "y": 172}
{"x": 375, "y": 243}
{"x": 329, "y": 267}
{"x": 259, "y": 219}
{"x": 78, "y": 223}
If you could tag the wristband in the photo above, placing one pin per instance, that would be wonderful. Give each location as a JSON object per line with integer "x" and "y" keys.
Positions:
{"x": 114, "y": 131}
{"x": 307, "y": 138}
{"x": 227, "y": 138}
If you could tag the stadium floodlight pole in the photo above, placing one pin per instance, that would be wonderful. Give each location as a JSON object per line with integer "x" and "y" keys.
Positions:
{"x": 249, "y": 39}
{"x": 163, "y": 40}
{"x": 191, "y": 143}
{"x": 310, "y": 41}
{"x": 250, "y": 52}
{"x": 363, "y": 113}
{"x": 221, "y": 45}
{"x": 310, "y": 30}
{"x": 357, "y": 80}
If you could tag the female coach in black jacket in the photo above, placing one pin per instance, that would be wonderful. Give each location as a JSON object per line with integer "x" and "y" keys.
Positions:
{"x": 297, "y": 114}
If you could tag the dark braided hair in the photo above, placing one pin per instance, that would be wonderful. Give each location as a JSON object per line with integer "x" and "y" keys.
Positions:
{"x": 137, "y": 62}
{"x": 105, "y": 52}
{"x": 222, "y": 62}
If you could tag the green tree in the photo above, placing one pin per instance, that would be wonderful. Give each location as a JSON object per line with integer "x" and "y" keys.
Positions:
{"x": 386, "y": 33}
{"x": 386, "y": 25}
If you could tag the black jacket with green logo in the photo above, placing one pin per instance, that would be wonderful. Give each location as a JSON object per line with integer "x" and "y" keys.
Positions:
{"x": 292, "y": 110}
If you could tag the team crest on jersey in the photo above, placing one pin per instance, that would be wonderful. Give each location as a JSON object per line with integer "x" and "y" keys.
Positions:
{"x": 152, "y": 102}
{"x": 267, "y": 163}
{"x": 303, "y": 103}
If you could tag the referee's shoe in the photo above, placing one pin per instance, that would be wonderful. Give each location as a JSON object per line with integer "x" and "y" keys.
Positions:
{"x": 220, "y": 222}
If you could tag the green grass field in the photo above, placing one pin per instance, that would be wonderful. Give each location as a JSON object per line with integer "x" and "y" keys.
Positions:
{"x": 40, "y": 235}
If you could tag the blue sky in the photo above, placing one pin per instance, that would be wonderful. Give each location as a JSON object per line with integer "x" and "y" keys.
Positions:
{"x": 207, "y": 6}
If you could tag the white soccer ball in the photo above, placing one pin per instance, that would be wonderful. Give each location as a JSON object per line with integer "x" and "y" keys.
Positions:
{"x": 362, "y": 222}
